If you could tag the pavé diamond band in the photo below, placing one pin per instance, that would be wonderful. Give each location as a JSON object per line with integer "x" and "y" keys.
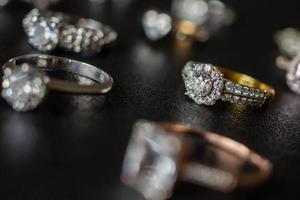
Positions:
{"x": 160, "y": 154}
{"x": 25, "y": 83}
{"x": 47, "y": 30}
{"x": 206, "y": 84}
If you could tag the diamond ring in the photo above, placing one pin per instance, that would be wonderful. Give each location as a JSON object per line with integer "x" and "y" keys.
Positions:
{"x": 206, "y": 84}
{"x": 160, "y": 154}
{"x": 47, "y": 30}
{"x": 25, "y": 83}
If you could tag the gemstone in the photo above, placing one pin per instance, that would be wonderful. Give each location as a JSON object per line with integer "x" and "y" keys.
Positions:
{"x": 156, "y": 24}
{"x": 150, "y": 163}
{"x": 246, "y": 91}
{"x": 43, "y": 35}
{"x": 229, "y": 86}
{"x": 204, "y": 83}
{"x": 24, "y": 87}
{"x": 238, "y": 89}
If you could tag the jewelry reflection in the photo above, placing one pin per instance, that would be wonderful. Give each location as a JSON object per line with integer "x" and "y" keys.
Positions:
{"x": 19, "y": 136}
{"x": 159, "y": 154}
{"x": 25, "y": 84}
{"x": 196, "y": 19}
{"x": 206, "y": 84}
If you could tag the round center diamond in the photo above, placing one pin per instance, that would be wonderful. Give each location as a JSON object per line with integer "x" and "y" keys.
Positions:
{"x": 24, "y": 87}
{"x": 43, "y": 36}
{"x": 202, "y": 84}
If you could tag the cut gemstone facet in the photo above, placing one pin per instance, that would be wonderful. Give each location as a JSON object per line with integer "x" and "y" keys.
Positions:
{"x": 150, "y": 164}
{"x": 156, "y": 25}
{"x": 43, "y": 36}
{"x": 24, "y": 87}
{"x": 203, "y": 82}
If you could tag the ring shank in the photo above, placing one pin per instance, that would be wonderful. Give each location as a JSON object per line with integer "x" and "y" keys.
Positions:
{"x": 103, "y": 80}
{"x": 246, "y": 80}
{"x": 225, "y": 156}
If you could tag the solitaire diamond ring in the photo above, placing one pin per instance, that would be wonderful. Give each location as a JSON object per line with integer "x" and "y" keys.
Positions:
{"x": 206, "y": 84}
{"x": 159, "y": 154}
{"x": 47, "y": 30}
{"x": 25, "y": 83}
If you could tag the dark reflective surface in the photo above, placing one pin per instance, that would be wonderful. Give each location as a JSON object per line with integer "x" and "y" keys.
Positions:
{"x": 72, "y": 147}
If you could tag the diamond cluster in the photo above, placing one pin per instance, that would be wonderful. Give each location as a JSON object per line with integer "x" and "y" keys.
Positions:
{"x": 43, "y": 32}
{"x": 84, "y": 39}
{"x": 24, "y": 87}
{"x": 203, "y": 82}
{"x": 240, "y": 94}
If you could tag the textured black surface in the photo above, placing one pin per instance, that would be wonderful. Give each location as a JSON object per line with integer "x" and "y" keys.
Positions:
{"x": 72, "y": 146}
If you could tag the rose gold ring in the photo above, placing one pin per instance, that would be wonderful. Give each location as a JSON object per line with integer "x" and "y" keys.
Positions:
{"x": 161, "y": 153}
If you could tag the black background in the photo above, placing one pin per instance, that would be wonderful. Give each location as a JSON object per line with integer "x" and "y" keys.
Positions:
{"x": 72, "y": 147}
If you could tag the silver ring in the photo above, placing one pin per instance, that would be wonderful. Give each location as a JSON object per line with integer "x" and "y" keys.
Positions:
{"x": 25, "y": 83}
{"x": 47, "y": 30}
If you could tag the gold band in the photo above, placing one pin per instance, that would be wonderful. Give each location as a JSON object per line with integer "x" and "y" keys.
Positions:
{"x": 248, "y": 81}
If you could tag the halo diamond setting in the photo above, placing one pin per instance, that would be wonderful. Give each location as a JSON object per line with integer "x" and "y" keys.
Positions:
{"x": 43, "y": 32}
{"x": 203, "y": 82}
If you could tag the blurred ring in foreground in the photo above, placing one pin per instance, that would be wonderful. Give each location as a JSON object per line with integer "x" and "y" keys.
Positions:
{"x": 160, "y": 153}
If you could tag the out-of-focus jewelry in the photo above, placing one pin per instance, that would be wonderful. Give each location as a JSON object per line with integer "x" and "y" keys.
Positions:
{"x": 288, "y": 41}
{"x": 206, "y": 84}
{"x": 25, "y": 83}
{"x": 47, "y": 30}
{"x": 159, "y": 154}
{"x": 292, "y": 67}
{"x": 197, "y": 19}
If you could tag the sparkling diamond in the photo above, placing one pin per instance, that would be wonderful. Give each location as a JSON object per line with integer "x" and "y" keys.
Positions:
{"x": 156, "y": 25}
{"x": 252, "y": 92}
{"x": 238, "y": 89}
{"x": 229, "y": 86}
{"x": 245, "y": 91}
{"x": 202, "y": 83}
{"x": 150, "y": 164}
{"x": 24, "y": 87}
{"x": 43, "y": 35}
